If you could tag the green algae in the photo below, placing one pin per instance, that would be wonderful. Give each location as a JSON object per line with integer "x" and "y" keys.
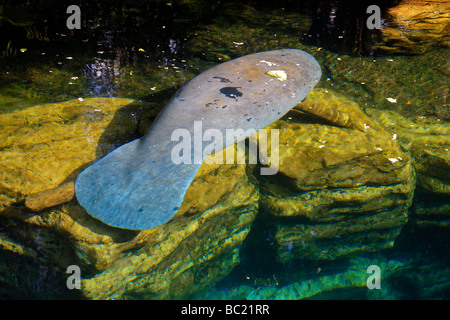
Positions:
{"x": 401, "y": 278}
{"x": 413, "y": 82}
{"x": 428, "y": 141}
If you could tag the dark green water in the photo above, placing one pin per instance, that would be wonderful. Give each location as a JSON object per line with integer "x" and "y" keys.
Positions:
{"x": 146, "y": 50}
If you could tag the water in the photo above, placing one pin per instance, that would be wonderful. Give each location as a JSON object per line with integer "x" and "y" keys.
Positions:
{"x": 248, "y": 245}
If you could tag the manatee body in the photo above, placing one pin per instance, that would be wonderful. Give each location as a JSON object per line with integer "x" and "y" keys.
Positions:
{"x": 138, "y": 186}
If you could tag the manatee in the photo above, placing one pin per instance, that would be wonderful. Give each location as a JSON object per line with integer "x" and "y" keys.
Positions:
{"x": 138, "y": 186}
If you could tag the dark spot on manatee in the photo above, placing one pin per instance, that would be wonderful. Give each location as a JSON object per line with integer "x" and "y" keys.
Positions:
{"x": 248, "y": 119}
{"x": 225, "y": 80}
{"x": 181, "y": 100}
{"x": 141, "y": 210}
{"x": 231, "y": 92}
{"x": 250, "y": 81}
{"x": 223, "y": 107}
{"x": 209, "y": 104}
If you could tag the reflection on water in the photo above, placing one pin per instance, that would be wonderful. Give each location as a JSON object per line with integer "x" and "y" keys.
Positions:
{"x": 100, "y": 77}
{"x": 145, "y": 50}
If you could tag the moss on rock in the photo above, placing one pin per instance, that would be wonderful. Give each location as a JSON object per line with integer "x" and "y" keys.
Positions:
{"x": 44, "y": 146}
{"x": 338, "y": 190}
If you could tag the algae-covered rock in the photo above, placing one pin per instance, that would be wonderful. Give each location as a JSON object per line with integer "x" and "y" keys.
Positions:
{"x": 432, "y": 212}
{"x": 403, "y": 276}
{"x": 410, "y": 85}
{"x": 428, "y": 140}
{"x": 191, "y": 253}
{"x": 339, "y": 189}
{"x": 237, "y": 29}
{"x": 46, "y": 145}
{"x": 343, "y": 186}
{"x": 43, "y": 145}
{"x": 50, "y": 198}
{"x": 416, "y": 27}
{"x": 331, "y": 284}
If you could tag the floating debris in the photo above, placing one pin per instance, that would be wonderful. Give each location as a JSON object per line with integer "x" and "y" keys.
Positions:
{"x": 278, "y": 74}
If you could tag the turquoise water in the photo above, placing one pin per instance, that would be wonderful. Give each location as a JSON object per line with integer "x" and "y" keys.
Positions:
{"x": 145, "y": 51}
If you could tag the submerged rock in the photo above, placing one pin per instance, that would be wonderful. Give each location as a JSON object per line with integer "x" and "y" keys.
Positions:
{"x": 50, "y": 198}
{"x": 339, "y": 190}
{"x": 401, "y": 279}
{"x": 43, "y": 146}
{"x": 343, "y": 186}
{"x": 428, "y": 140}
{"x": 46, "y": 145}
{"x": 410, "y": 85}
{"x": 193, "y": 251}
{"x": 416, "y": 27}
{"x": 237, "y": 29}
{"x": 331, "y": 284}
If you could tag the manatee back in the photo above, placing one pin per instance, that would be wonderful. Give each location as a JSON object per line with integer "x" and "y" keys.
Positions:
{"x": 138, "y": 185}
{"x": 252, "y": 91}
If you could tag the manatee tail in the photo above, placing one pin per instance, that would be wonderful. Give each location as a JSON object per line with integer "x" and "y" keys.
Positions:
{"x": 134, "y": 188}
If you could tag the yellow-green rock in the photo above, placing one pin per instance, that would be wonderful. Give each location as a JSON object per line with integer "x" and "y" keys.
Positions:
{"x": 428, "y": 141}
{"x": 44, "y": 146}
{"x": 416, "y": 27}
{"x": 342, "y": 187}
{"x": 338, "y": 190}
